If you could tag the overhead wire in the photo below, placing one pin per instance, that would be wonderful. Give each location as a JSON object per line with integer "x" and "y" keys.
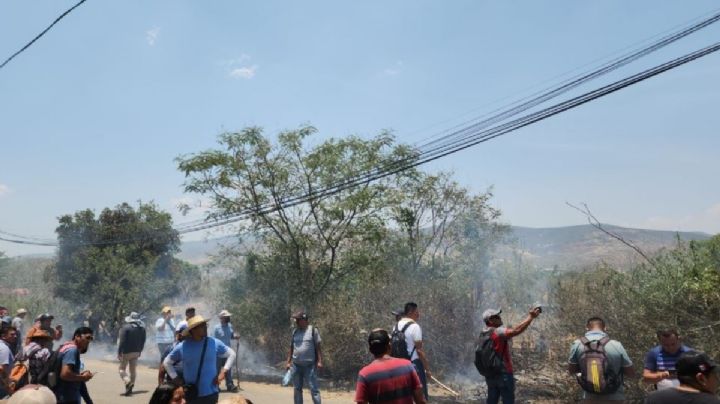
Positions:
{"x": 38, "y": 36}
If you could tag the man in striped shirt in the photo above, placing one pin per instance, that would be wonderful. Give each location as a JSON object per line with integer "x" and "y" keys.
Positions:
{"x": 660, "y": 361}
{"x": 387, "y": 380}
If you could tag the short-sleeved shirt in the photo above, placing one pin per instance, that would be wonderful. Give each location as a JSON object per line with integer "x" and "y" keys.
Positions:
{"x": 189, "y": 352}
{"x": 657, "y": 360}
{"x": 6, "y": 355}
{"x": 412, "y": 334}
{"x": 224, "y": 332}
{"x": 675, "y": 396}
{"x": 617, "y": 360}
{"x": 67, "y": 391}
{"x": 502, "y": 344}
{"x": 304, "y": 342}
{"x": 387, "y": 381}
{"x": 167, "y": 335}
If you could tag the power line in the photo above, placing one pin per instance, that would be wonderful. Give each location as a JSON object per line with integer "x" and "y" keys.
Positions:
{"x": 68, "y": 11}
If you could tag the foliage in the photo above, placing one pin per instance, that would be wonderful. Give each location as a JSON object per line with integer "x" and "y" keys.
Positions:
{"x": 351, "y": 257}
{"x": 118, "y": 262}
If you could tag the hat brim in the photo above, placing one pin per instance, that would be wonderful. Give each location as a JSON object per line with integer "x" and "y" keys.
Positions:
{"x": 186, "y": 331}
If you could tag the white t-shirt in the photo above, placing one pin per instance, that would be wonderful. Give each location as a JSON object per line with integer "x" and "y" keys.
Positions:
{"x": 412, "y": 334}
{"x": 167, "y": 335}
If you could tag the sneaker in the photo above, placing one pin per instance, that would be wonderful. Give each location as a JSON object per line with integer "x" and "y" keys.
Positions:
{"x": 128, "y": 388}
{"x": 233, "y": 389}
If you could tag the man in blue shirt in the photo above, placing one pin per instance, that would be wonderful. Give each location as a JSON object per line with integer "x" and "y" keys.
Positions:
{"x": 198, "y": 369}
{"x": 225, "y": 333}
{"x": 660, "y": 361}
{"x": 72, "y": 378}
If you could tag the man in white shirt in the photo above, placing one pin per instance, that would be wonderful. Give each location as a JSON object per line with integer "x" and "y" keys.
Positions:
{"x": 414, "y": 342}
{"x": 165, "y": 330}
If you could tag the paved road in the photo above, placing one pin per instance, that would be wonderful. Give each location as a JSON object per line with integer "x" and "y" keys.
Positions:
{"x": 107, "y": 388}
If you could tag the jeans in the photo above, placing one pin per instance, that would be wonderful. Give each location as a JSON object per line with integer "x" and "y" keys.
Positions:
{"x": 420, "y": 369}
{"x": 229, "y": 383}
{"x": 305, "y": 372}
{"x": 502, "y": 386}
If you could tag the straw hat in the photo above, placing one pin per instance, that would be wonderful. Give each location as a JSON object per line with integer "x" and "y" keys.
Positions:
{"x": 224, "y": 313}
{"x": 21, "y": 311}
{"x": 33, "y": 394}
{"x": 38, "y": 333}
{"x": 192, "y": 323}
{"x": 165, "y": 309}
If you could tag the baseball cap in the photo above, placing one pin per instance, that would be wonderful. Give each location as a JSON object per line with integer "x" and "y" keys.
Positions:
{"x": 398, "y": 312}
{"x": 45, "y": 316}
{"x": 490, "y": 313}
{"x": 693, "y": 362}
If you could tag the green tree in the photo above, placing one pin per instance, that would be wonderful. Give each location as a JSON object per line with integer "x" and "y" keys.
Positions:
{"x": 119, "y": 261}
{"x": 313, "y": 245}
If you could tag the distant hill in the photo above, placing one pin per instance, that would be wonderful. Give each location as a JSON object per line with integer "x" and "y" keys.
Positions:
{"x": 584, "y": 245}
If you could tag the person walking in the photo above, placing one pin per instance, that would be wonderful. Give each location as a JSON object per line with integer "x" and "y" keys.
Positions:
{"x": 72, "y": 377}
{"x": 165, "y": 330}
{"x": 199, "y": 354}
{"x": 19, "y": 323}
{"x": 698, "y": 381}
{"x": 659, "y": 368}
{"x": 414, "y": 342}
{"x": 387, "y": 379}
{"x": 305, "y": 357}
{"x": 596, "y": 350}
{"x": 225, "y": 333}
{"x": 502, "y": 386}
{"x": 131, "y": 341}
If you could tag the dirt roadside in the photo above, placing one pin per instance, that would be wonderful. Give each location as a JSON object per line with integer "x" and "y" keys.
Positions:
{"x": 107, "y": 388}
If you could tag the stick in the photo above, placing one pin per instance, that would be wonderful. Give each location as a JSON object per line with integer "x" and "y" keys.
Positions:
{"x": 444, "y": 386}
{"x": 237, "y": 364}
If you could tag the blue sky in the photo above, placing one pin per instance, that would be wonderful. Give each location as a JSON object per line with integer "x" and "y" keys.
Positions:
{"x": 95, "y": 112}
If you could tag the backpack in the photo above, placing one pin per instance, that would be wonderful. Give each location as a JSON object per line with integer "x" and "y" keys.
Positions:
{"x": 595, "y": 374}
{"x": 398, "y": 343}
{"x": 49, "y": 375}
{"x": 487, "y": 361}
{"x": 21, "y": 372}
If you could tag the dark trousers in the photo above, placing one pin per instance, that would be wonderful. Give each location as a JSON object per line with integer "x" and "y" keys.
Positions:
{"x": 502, "y": 386}
{"x": 420, "y": 369}
{"x": 229, "y": 383}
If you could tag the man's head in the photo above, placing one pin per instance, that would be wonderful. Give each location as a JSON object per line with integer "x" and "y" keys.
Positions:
{"x": 224, "y": 316}
{"x": 412, "y": 311}
{"x": 82, "y": 337}
{"x": 379, "y": 342}
{"x": 4, "y": 311}
{"x": 21, "y": 313}
{"x": 301, "y": 319}
{"x": 595, "y": 324}
{"x": 45, "y": 319}
{"x": 669, "y": 340}
{"x": 9, "y": 335}
{"x": 697, "y": 370}
{"x": 492, "y": 318}
{"x": 189, "y": 313}
{"x": 166, "y": 312}
{"x": 197, "y": 328}
{"x": 179, "y": 334}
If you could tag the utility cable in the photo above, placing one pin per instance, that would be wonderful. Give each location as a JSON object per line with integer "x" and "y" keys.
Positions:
{"x": 68, "y": 11}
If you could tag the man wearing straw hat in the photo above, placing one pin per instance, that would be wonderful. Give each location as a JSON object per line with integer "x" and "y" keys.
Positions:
{"x": 165, "y": 329}
{"x": 19, "y": 323}
{"x": 199, "y": 354}
{"x": 225, "y": 333}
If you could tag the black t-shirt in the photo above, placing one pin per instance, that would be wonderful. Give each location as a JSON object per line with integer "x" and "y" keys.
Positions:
{"x": 675, "y": 396}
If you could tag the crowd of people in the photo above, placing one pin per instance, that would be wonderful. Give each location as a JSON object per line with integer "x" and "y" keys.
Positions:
{"x": 195, "y": 361}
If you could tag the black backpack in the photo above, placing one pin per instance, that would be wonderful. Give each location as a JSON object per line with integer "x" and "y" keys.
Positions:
{"x": 487, "y": 360}
{"x": 49, "y": 375}
{"x": 595, "y": 374}
{"x": 398, "y": 344}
